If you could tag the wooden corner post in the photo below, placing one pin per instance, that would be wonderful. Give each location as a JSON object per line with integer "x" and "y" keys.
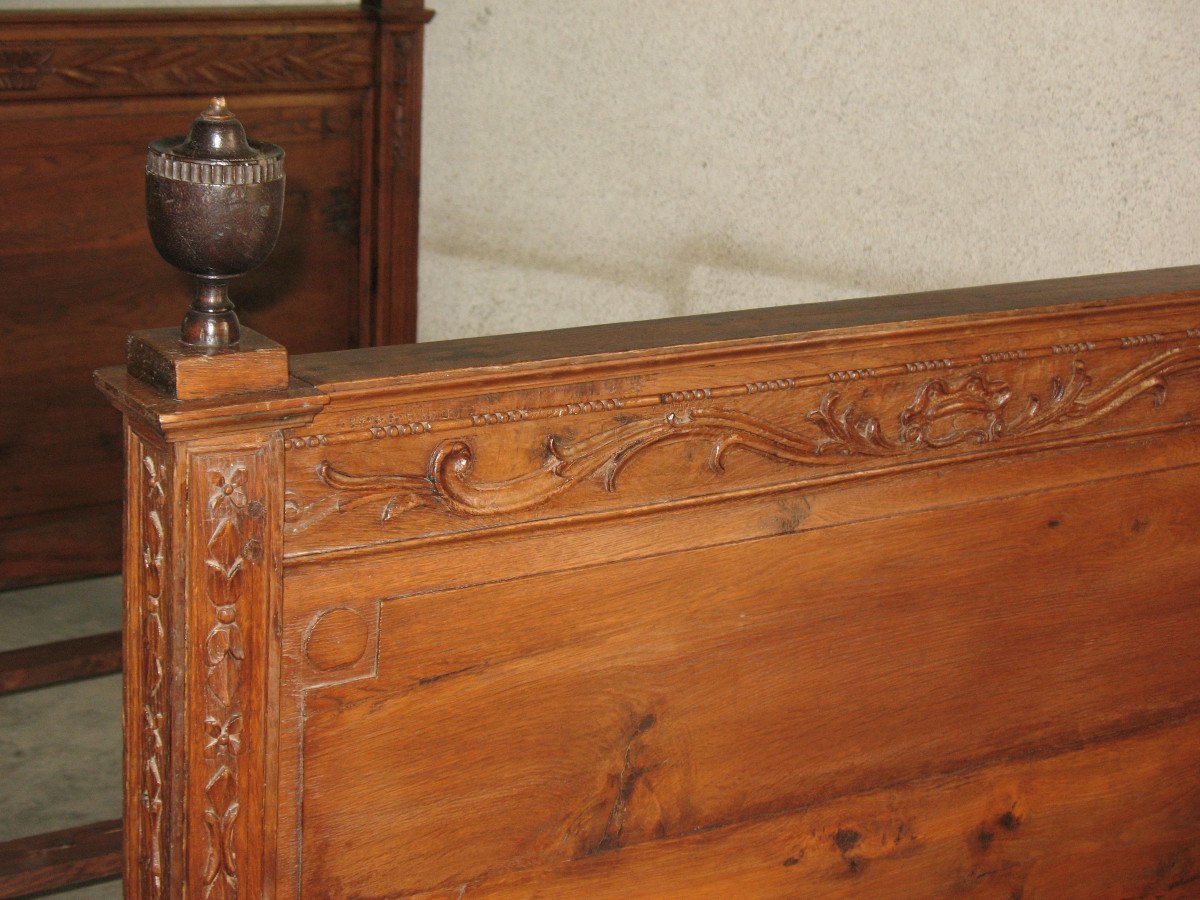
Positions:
{"x": 204, "y": 410}
{"x": 397, "y": 165}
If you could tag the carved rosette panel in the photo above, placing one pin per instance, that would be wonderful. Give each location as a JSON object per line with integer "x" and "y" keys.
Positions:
{"x": 186, "y": 62}
{"x": 846, "y": 427}
{"x": 231, "y": 524}
{"x": 154, "y": 686}
{"x": 24, "y": 68}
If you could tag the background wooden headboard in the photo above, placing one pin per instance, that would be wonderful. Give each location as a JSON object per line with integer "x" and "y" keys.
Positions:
{"x": 80, "y": 94}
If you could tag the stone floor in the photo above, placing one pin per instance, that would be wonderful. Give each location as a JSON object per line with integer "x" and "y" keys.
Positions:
{"x": 60, "y": 746}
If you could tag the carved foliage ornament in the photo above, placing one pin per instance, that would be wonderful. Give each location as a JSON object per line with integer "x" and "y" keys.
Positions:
{"x": 187, "y": 62}
{"x": 945, "y": 412}
{"x": 24, "y": 68}
{"x": 234, "y": 525}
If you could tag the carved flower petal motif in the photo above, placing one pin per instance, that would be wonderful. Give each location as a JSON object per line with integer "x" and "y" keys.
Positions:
{"x": 225, "y": 549}
{"x": 223, "y": 735}
{"x": 153, "y": 677}
{"x": 848, "y": 431}
{"x": 24, "y": 68}
{"x": 223, "y": 653}
{"x": 234, "y": 552}
{"x": 228, "y": 494}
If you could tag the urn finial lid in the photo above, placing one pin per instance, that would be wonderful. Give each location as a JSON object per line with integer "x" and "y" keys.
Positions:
{"x": 215, "y": 151}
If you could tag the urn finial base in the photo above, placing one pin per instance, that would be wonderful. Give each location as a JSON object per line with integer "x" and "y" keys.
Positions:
{"x": 184, "y": 372}
{"x": 211, "y": 320}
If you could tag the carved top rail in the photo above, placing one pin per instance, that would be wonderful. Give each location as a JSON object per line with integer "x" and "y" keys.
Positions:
{"x": 459, "y": 439}
{"x": 774, "y": 330}
{"x": 65, "y": 54}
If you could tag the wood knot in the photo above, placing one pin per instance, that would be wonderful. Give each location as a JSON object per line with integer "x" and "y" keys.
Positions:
{"x": 846, "y": 839}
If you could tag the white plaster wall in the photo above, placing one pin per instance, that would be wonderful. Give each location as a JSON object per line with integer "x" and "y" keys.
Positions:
{"x": 599, "y": 160}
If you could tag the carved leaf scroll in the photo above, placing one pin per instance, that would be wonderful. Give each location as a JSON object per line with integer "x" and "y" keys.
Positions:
{"x": 945, "y": 412}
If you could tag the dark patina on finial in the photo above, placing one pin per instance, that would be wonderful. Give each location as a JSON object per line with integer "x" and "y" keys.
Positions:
{"x": 214, "y": 203}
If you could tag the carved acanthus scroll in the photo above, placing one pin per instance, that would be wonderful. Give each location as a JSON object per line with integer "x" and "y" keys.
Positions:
{"x": 978, "y": 409}
{"x": 945, "y": 412}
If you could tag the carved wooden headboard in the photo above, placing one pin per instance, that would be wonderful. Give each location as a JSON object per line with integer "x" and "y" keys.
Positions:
{"x": 79, "y": 93}
{"x": 886, "y": 598}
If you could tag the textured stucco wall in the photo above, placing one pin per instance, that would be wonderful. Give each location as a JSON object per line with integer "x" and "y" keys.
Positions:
{"x": 598, "y": 160}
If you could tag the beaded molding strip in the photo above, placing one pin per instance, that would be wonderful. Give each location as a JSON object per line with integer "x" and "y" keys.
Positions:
{"x": 195, "y": 172}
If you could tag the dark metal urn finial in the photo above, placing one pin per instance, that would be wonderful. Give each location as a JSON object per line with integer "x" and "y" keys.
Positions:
{"x": 214, "y": 201}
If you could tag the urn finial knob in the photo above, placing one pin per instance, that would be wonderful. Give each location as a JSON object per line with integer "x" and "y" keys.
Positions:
{"x": 214, "y": 203}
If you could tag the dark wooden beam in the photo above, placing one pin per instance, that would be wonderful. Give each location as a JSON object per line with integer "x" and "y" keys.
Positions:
{"x": 28, "y": 667}
{"x": 58, "y": 859}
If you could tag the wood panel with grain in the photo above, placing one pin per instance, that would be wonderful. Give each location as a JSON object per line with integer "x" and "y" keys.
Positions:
{"x": 1116, "y": 818}
{"x": 615, "y": 600}
{"x": 582, "y": 713}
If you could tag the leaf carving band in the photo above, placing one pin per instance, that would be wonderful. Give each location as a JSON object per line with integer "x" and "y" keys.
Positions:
{"x": 945, "y": 412}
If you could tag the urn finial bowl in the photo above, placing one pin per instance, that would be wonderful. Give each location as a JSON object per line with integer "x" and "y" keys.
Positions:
{"x": 214, "y": 203}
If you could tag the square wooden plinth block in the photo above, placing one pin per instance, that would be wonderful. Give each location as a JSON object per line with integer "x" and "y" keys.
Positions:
{"x": 256, "y": 364}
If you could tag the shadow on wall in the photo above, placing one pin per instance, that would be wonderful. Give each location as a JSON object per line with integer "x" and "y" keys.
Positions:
{"x": 502, "y": 281}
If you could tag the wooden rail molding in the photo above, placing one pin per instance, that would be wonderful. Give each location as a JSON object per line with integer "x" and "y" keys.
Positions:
{"x": 30, "y": 667}
{"x": 59, "y": 859}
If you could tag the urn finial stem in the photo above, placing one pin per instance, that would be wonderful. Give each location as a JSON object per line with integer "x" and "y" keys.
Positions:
{"x": 211, "y": 320}
{"x": 214, "y": 203}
